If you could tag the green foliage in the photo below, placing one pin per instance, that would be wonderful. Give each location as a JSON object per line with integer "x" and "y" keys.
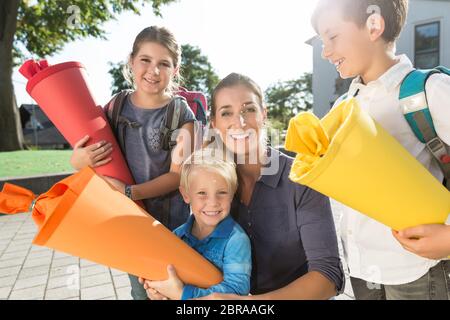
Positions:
{"x": 45, "y": 26}
{"x": 119, "y": 82}
{"x": 197, "y": 72}
{"x": 285, "y": 99}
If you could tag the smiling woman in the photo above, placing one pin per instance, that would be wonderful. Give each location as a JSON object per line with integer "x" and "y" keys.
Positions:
{"x": 294, "y": 245}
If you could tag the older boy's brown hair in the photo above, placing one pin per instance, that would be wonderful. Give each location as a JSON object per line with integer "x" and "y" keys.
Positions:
{"x": 394, "y": 13}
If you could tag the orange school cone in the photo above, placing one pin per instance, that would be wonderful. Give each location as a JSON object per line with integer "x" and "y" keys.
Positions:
{"x": 84, "y": 216}
{"x": 63, "y": 94}
{"x": 15, "y": 199}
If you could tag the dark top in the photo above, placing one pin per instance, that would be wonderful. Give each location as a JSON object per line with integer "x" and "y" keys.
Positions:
{"x": 147, "y": 160}
{"x": 291, "y": 230}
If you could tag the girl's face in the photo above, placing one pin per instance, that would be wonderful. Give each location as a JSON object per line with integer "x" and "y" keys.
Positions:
{"x": 239, "y": 119}
{"x": 153, "y": 68}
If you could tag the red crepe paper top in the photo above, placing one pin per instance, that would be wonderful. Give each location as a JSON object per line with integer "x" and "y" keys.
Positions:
{"x": 36, "y": 71}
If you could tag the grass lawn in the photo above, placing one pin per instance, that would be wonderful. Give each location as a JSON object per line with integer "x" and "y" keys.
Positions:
{"x": 27, "y": 163}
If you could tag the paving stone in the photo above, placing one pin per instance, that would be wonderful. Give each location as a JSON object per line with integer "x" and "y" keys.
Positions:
{"x": 91, "y": 270}
{"x": 66, "y": 261}
{"x": 31, "y": 282}
{"x": 9, "y": 271}
{"x": 124, "y": 293}
{"x": 34, "y": 271}
{"x": 7, "y": 281}
{"x": 11, "y": 262}
{"x": 4, "y": 292}
{"x": 13, "y": 255}
{"x": 37, "y": 262}
{"x": 59, "y": 282}
{"x": 121, "y": 281}
{"x": 95, "y": 280}
{"x": 98, "y": 292}
{"x": 61, "y": 293}
{"x": 28, "y": 294}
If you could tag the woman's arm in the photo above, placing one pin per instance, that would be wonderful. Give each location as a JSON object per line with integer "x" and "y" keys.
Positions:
{"x": 311, "y": 286}
{"x": 325, "y": 277}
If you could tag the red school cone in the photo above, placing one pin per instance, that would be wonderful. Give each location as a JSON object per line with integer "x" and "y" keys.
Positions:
{"x": 63, "y": 94}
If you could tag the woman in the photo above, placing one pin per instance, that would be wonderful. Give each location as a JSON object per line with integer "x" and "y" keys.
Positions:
{"x": 291, "y": 229}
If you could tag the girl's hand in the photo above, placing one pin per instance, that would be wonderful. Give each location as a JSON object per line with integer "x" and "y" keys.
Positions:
{"x": 430, "y": 241}
{"x": 117, "y": 184}
{"x": 94, "y": 155}
{"x": 171, "y": 288}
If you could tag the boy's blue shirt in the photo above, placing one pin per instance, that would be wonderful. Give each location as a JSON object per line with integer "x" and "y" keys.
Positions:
{"x": 229, "y": 249}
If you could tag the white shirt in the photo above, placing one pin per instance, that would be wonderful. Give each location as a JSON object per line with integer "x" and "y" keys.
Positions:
{"x": 371, "y": 252}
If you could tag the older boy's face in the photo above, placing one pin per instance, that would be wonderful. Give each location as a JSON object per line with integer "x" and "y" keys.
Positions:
{"x": 209, "y": 197}
{"x": 345, "y": 45}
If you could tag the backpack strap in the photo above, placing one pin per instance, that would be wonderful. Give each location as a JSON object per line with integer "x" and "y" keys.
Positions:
{"x": 201, "y": 114}
{"x": 115, "y": 106}
{"x": 414, "y": 104}
{"x": 113, "y": 111}
{"x": 174, "y": 113}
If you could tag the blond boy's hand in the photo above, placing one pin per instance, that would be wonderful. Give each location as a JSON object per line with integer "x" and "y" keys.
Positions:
{"x": 171, "y": 288}
{"x": 430, "y": 241}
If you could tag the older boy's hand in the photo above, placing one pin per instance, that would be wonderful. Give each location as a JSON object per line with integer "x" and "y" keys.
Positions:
{"x": 171, "y": 288}
{"x": 430, "y": 241}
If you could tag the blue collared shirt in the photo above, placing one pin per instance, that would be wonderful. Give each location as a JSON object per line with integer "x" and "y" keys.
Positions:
{"x": 291, "y": 230}
{"x": 228, "y": 248}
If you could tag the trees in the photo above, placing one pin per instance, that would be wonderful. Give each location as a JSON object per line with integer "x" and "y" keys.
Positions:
{"x": 286, "y": 99}
{"x": 42, "y": 28}
{"x": 196, "y": 71}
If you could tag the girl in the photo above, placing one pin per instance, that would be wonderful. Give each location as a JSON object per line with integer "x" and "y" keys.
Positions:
{"x": 291, "y": 229}
{"x": 153, "y": 66}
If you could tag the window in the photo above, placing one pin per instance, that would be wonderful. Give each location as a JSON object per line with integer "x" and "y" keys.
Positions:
{"x": 427, "y": 45}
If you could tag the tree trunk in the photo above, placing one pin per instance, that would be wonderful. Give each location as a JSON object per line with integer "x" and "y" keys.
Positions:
{"x": 11, "y": 137}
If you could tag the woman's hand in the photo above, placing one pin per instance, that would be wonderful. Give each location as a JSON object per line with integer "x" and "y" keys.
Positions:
{"x": 171, "y": 288}
{"x": 430, "y": 241}
{"x": 95, "y": 155}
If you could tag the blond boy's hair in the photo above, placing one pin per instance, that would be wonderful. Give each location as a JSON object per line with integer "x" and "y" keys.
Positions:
{"x": 207, "y": 160}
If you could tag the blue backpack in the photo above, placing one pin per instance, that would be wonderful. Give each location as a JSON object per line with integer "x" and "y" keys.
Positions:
{"x": 414, "y": 104}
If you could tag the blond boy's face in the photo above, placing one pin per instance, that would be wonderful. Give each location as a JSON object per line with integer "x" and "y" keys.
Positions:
{"x": 345, "y": 45}
{"x": 209, "y": 197}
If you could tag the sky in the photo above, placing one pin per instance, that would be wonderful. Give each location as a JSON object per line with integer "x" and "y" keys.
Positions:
{"x": 263, "y": 39}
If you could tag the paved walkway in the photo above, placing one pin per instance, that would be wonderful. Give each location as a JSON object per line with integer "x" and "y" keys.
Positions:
{"x": 35, "y": 273}
{"x": 29, "y": 272}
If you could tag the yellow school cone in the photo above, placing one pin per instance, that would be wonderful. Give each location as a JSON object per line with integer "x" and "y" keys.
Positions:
{"x": 365, "y": 168}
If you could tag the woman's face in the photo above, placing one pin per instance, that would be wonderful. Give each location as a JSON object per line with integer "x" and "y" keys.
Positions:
{"x": 239, "y": 119}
